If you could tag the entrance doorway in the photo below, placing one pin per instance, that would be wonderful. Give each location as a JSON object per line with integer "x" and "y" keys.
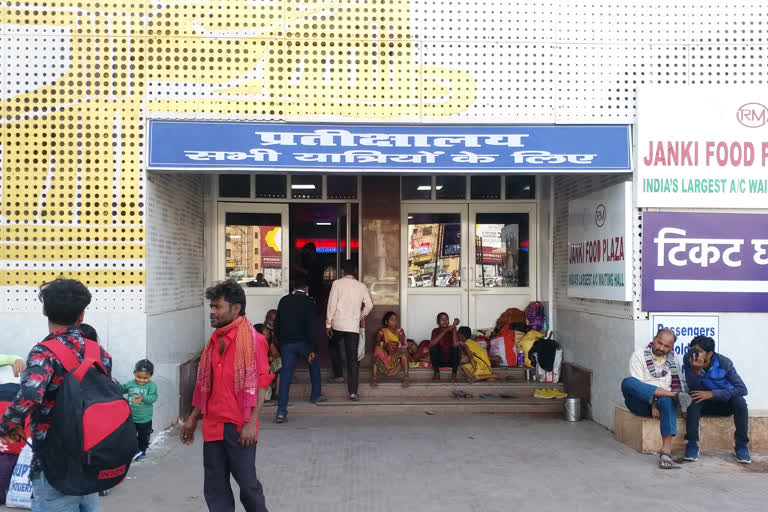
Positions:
{"x": 472, "y": 261}
{"x": 264, "y": 246}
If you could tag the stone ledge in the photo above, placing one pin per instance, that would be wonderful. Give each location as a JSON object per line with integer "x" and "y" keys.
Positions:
{"x": 643, "y": 434}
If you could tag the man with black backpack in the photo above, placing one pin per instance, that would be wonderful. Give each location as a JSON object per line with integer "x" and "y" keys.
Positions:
{"x": 82, "y": 435}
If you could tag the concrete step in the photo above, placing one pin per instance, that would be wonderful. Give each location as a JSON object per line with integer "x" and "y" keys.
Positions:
{"x": 421, "y": 375}
{"x": 422, "y": 390}
{"x": 418, "y": 405}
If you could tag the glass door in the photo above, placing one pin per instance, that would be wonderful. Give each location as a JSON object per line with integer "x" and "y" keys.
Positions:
{"x": 434, "y": 277}
{"x": 251, "y": 242}
{"x": 502, "y": 260}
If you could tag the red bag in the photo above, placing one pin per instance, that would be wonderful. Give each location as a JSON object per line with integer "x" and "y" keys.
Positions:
{"x": 14, "y": 448}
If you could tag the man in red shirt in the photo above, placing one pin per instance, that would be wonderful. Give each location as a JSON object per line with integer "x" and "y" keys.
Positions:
{"x": 231, "y": 387}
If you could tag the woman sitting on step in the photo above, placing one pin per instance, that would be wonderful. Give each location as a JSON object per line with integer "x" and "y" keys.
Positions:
{"x": 390, "y": 355}
{"x": 475, "y": 362}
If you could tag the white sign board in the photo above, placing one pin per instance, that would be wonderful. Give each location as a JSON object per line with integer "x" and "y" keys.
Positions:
{"x": 702, "y": 147}
{"x": 687, "y": 327}
{"x": 600, "y": 244}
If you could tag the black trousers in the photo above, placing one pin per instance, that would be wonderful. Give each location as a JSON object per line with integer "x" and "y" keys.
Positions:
{"x": 349, "y": 340}
{"x": 736, "y": 406}
{"x": 143, "y": 430}
{"x": 436, "y": 356}
{"x": 224, "y": 458}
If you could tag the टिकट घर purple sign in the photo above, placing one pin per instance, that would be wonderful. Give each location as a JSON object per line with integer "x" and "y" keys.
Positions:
{"x": 705, "y": 262}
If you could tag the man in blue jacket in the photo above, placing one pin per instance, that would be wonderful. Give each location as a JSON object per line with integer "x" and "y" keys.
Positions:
{"x": 717, "y": 390}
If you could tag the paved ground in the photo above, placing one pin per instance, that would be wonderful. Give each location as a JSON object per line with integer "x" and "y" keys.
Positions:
{"x": 449, "y": 463}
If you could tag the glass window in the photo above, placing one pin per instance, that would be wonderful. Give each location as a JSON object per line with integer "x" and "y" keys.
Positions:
{"x": 254, "y": 253}
{"x": 451, "y": 187}
{"x": 235, "y": 185}
{"x": 271, "y": 186}
{"x": 521, "y": 187}
{"x": 485, "y": 187}
{"x": 341, "y": 186}
{"x": 434, "y": 250}
{"x": 306, "y": 187}
{"x": 501, "y": 250}
{"x": 417, "y": 187}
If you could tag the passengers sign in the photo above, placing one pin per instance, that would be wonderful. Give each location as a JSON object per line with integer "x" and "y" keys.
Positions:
{"x": 702, "y": 147}
{"x": 228, "y": 146}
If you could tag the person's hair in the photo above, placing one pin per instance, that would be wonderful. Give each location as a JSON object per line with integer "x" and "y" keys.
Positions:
{"x": 64, "y": 300}
{"x": 465, "y": 331}
{"x": 270, "y": 311}
{"x": 300, "y": 282}
{"x": 666, "y": 331}
{"x": 259, "y": 275}
{"x": 230, "y": 291}
{"x": 348, "y": 267}
{"x": 88, "y": 332}
{"x": 387, "y": 316}
{"x": 309, "y": 246}
{"x": 145, "y": 365}
{"x": 441, "y": 314}
{"x": 706, "y": 343}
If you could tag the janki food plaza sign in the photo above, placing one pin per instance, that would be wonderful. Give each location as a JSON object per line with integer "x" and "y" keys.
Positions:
{"x": 600, "y": 244}
{"x": 702, "y": 147}
{"x": 224, "y": 145}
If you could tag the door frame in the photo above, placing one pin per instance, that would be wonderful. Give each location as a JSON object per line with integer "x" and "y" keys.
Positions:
{"x": 431, "y": 207}
{"x": 530, "y": 291}
{"x": 220, "y": 258}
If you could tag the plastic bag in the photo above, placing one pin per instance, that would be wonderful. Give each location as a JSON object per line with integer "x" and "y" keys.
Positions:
{"x": 20, "y": 490}
{"x": 361, "y": 344}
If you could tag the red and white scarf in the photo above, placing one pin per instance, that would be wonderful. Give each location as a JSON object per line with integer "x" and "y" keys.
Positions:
{"x": 670, "y": 366}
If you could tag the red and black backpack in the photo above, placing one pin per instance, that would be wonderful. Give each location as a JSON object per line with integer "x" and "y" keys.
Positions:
{"x": 92, "y": 439}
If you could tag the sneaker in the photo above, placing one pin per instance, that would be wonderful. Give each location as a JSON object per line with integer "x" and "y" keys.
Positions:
{"x": 140, "y": 455}
{"x": 556, "y": 393}
{"x": 684, "y": 399}
{"x": 103, "y": 493}
{"x": 320, "y": 399}
{"x": 543, "y": 393}
{"x": 742, "y": 455}
{"x": 691, "y": 452}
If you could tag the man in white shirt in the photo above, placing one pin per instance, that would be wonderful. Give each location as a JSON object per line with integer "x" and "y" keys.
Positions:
{"x": 348, "y": 303}
{"x": 654, "y": 388}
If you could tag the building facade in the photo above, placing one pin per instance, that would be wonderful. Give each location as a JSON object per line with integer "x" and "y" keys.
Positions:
{"x": 81, "y": 196}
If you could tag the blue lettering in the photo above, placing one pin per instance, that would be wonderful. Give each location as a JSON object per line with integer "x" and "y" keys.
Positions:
{"x": 20, "y": 469}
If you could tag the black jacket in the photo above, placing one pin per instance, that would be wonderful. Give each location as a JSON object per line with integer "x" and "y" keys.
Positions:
{"x": 296, "y": 320}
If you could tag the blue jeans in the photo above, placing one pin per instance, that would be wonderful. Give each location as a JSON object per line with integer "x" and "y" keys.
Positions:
{"x": 290, "y": 351}
{"x": 639, "y": 398}
{"x": 47, "y": 499}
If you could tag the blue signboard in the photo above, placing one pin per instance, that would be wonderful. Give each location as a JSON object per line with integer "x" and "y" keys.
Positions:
{"x": 225, "y": 145}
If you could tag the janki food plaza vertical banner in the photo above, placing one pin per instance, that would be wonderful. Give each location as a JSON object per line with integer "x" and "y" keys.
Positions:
{"x": 702, "y": 147}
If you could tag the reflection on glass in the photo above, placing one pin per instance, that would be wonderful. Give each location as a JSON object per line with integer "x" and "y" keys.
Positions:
{"x": 254, "y": 253}
{"x": 434, "y": 250}
{"x": 501, "y": 250}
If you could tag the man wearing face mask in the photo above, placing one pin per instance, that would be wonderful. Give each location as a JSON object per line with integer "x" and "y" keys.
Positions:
{"x": 717, "y": 390}
{"x": 655, "y": 387}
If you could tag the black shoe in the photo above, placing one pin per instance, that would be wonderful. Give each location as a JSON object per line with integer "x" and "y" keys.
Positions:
{"x": 103, "y": 493}
{"x": 280, "y": 419}
{"x": 320, "y": 399}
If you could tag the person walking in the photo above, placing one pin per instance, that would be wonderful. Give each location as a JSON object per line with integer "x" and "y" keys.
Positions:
{"x": 348, "y": 304}
{"x": 294, "y": 328}
{"x": 230, "y": 390}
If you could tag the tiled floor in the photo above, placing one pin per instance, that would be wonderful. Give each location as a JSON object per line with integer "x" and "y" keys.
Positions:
{"x": 470, "y": 462}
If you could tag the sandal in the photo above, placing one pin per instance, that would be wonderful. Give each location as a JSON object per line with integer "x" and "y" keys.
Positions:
{"x": 373, "y": 382}
{"x": 665, "y": 460}
{"x": 354, "y": 398}
{"x": 406, "y": 382}
{"x": 454, "y": 378}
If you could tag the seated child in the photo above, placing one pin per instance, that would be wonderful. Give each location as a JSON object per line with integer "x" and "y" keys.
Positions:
{"x": 142, "y": 393}
{"x": 390, "y": 354}
{"x": 444, "y": 346}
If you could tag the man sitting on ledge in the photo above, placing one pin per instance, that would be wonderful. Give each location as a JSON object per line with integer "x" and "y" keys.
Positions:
{"x": 655, "y": 387}
{"x": 717, "y": 390}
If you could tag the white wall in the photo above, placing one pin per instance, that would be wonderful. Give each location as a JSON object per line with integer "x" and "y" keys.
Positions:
{"x": 175, "y": 331}
{"x": 123, "y": 335}
{"x": 604, "y": 345}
